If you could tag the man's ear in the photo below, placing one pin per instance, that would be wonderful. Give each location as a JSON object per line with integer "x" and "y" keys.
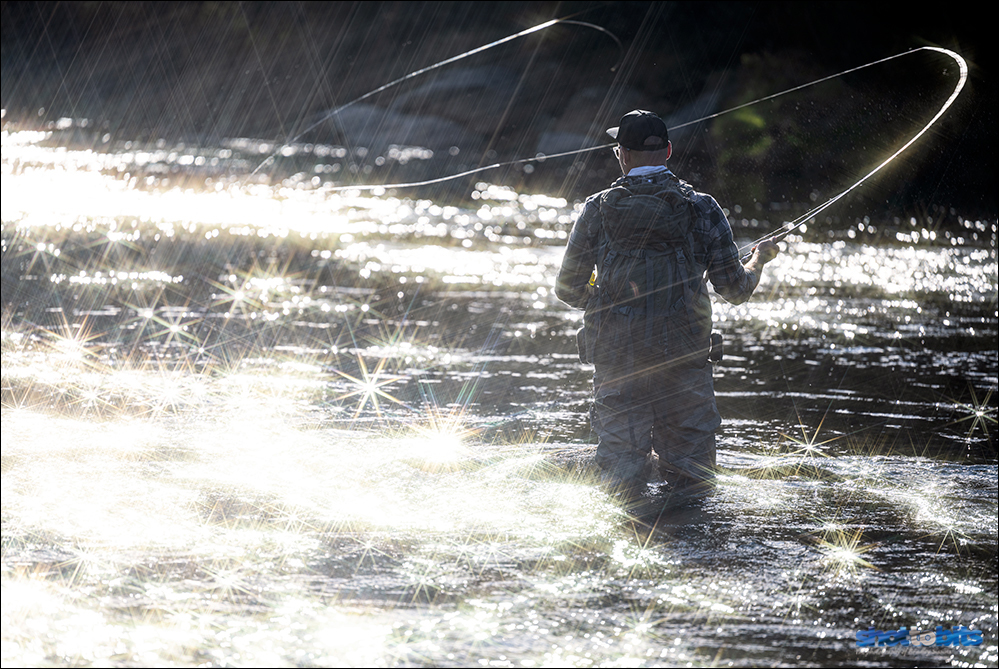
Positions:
{"x": 669, "y": 149}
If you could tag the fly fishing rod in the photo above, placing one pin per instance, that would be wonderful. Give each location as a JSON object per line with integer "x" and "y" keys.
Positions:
{"x": 789, "y": 227}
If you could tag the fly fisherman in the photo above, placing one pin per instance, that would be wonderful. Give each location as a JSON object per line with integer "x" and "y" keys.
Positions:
{"x": 651, "y": 242}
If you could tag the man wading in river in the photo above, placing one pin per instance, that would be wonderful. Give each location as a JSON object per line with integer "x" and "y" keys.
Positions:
{"x": 649, "y": 240}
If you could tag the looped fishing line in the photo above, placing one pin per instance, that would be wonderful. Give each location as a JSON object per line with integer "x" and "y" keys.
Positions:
{"x": 777, "y": 235}
{"x": 788, "y": 227}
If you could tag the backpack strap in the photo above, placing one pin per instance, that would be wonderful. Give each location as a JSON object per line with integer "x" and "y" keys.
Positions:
{"x": 688, "y": 294}
{"x": 607, "y": 262}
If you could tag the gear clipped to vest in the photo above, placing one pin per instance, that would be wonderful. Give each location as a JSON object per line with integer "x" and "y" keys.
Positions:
{"x": 649, "y": 282}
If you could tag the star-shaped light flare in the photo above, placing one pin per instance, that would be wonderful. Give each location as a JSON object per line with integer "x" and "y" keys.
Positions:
{"x": 842, "y": 551}
{"x": 978, "y": 413}
{"x": 810, "y": 444}
{"x": 174, "y": 327}
{"x": 369, "y": 387}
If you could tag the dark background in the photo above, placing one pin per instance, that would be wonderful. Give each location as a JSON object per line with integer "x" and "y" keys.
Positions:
{"x": 202, "y": 72}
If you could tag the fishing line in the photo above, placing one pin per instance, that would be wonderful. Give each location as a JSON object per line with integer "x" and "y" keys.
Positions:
{"x": 787, "y": 228}
{"x": 448, "y": 61}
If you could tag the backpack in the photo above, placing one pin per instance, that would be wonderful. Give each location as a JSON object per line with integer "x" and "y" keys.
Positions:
{"x": 647, "y": 273}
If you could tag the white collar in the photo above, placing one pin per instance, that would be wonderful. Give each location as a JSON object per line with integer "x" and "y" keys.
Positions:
{"x": 647, "y": 169}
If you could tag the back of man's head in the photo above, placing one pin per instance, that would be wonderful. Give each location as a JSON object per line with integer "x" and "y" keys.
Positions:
{"x": 641, "y": 130}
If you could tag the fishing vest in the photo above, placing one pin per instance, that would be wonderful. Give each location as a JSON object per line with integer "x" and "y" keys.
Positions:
{"x": 649, "y": 287}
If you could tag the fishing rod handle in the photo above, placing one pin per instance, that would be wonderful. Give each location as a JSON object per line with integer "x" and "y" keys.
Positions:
{"x": 775, "y": 237}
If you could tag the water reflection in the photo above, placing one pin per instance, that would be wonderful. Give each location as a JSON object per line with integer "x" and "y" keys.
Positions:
{"x": 282, "y": 425}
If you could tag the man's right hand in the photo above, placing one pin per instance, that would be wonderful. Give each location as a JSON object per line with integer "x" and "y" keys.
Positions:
{"x": 765, "y": 251}
{"x": 761, "y": 254}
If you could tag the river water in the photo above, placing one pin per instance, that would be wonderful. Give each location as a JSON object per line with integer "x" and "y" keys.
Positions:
{"x": 273, "y": 425}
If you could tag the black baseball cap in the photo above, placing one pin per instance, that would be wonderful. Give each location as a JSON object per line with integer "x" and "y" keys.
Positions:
{"x": 641, "y": 130}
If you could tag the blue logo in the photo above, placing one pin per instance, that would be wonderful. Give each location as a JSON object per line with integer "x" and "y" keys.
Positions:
{"x": 959, "y": 636}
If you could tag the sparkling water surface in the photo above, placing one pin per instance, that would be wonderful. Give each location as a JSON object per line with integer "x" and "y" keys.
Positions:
{"x": 253, "y": 424}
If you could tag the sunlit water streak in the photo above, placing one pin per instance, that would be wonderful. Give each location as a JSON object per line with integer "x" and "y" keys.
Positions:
{"x": 284, "y": 426}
